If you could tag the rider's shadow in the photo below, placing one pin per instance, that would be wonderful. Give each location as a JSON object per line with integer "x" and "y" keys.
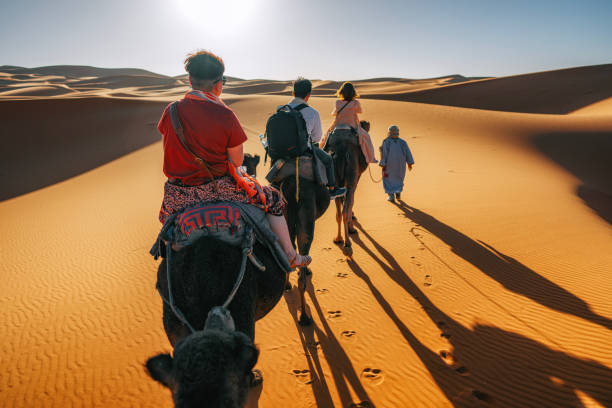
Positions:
{"x": 487, "y": 364}
{"x": 317, "y": 340}
{"x": 507, "y": 271}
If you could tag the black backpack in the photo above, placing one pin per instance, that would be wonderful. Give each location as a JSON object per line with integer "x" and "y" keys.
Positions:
{"x": 286, "y": 133}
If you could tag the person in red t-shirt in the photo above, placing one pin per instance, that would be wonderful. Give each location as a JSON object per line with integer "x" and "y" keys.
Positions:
{"x": 213, "y": 133}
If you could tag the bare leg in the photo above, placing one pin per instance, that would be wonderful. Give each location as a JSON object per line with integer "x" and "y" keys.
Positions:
{"x": 279, "y": 227}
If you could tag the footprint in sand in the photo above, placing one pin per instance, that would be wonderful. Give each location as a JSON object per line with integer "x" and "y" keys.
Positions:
{"x": 340, "y": 260}
{"x": 349, "y": 335}
{"x": 313, "y": 345}
{"x": 447, "y": 357}
{"x": 462, "y": 370}
{"x": 361, "y": 404}
{"x": 341, "y": 275}
{"x": 428, "y": 280}
{"x": 482, "y": 396}
{"x": 334, "y": 314}
{"x": 322, "y": 291}
{"x": 374, "y": 376}
{"x": 327, "y": 249}
{"x": 302, "y": 376}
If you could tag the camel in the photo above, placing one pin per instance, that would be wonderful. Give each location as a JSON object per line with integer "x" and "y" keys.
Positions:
{"x": 213, "y": 364}
{"x": 349, "y": 164}
{"x": 301, "y": 215}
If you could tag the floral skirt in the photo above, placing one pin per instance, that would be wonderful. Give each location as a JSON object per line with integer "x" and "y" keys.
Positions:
{"x": 177, "y": 198}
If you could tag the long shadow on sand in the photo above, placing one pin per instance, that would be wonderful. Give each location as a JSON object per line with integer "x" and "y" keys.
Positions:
{"x": 48, "y": 141}
{"x": 509, "y": 272}
{"x": 587, "y": 155}
{"x": 486, "y": 365}
{"x": 317, "y": 340}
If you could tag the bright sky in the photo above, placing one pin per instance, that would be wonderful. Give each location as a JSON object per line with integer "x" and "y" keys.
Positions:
{"x": 319, "y": 39}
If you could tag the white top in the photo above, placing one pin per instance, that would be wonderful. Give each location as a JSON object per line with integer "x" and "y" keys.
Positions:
{"x": 312, "y": 119}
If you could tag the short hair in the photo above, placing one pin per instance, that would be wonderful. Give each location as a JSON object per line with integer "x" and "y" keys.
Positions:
{"x": 302, "y": 87}
{"x": 347, "y": 92}
{"x": 204, "y": 68}
{"x": 365, "y": 125}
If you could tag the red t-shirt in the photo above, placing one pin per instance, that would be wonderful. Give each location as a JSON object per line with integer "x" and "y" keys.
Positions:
{"x": 210, "y": 129}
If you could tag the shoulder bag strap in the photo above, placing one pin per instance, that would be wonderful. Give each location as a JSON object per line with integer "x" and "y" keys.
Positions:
{"x": 342, "y": 108}
{"x": 178, "y": 129}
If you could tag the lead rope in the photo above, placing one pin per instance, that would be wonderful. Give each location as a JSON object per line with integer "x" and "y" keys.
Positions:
{"x": 372, "y": 177}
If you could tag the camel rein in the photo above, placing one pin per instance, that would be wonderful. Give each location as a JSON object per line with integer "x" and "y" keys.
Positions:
{"x": 247, "y": 252}
{"x": 372, "y": 177}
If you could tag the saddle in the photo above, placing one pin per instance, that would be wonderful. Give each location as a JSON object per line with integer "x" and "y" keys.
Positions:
{"x": 281, "y": 169}
{"x": 234, "y": 223}
{"x": 341, "y": 134}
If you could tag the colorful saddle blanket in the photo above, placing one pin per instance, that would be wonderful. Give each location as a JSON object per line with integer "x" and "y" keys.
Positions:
{"x": 229, "y": 222}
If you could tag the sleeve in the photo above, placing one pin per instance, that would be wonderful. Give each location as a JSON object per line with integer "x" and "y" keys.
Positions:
{"x": 237, "y": 135}
{"x": 358, "y": 107}
{"x": 409, "y": 158}
{"x": 164, "y": 122}
{"x": 317, "y": 128}
{"x": 335, "y": 111}
{"x": 384, "y": 151}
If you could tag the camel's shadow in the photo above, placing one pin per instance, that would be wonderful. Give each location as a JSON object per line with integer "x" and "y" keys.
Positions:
{"x": 321, "y": 343}
{"x": 486, "y": 364}
{"x": 509, "y": 272}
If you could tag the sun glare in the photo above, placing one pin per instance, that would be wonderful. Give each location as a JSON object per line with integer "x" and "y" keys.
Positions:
{"x": 215, "y": 15}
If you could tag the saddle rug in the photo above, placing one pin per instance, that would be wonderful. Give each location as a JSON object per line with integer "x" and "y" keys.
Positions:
{"x": 229, "y": 222}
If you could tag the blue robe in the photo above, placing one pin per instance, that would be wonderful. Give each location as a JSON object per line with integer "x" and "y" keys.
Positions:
{"x": 395, "y": 155}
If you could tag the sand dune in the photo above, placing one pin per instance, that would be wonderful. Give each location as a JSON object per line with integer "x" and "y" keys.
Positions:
{"x": 488, "y": 285}
{"x": 77, "y": 71}
{"x": 558, "y": 92}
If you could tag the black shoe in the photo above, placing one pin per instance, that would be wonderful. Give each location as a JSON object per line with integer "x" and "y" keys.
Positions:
{"x": 337, "y": 192}
{"x": 397, "y": 196}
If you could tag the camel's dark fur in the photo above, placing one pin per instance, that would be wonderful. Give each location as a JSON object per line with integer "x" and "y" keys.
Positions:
{"x": 349, "y": 163}
{"x": 301, "y": 215}
{"x": 212, "y": 367}
{"x": 192, "y": 374}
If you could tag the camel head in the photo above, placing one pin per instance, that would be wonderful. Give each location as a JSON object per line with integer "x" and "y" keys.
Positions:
{"x": 251, "y": 162}
{"x": 210, "y": 368}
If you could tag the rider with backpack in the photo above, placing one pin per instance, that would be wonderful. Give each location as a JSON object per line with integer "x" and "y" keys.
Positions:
{"x": 296, "y": 130}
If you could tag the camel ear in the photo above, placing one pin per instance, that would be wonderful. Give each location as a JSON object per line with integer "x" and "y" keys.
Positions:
{"x": 160, "y": 369}
{"x": 248, "y": 353}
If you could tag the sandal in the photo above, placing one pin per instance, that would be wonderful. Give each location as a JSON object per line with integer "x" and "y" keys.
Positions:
{"x": 300, "y": 261}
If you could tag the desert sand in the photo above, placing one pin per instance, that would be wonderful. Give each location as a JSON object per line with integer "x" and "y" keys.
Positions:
{"x": 488, "y": 285}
